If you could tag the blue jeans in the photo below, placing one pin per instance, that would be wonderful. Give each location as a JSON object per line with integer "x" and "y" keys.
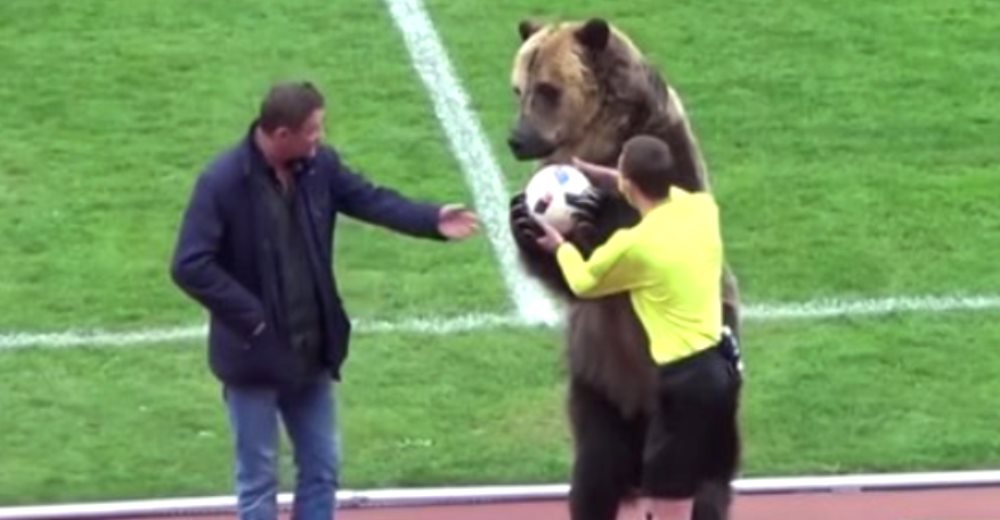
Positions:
{"x": 309, "y": 417}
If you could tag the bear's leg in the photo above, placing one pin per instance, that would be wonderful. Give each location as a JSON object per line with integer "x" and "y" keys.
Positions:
{"x": 713, "y": 500}
{"x": 608, "y": 454}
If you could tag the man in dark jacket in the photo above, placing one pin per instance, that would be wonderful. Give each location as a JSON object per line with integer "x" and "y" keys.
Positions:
{"x": 255, "y": 248}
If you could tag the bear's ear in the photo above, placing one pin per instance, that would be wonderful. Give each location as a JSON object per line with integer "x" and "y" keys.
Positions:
{"x": 527, "y": 28}
{"x": 594, "y": 34}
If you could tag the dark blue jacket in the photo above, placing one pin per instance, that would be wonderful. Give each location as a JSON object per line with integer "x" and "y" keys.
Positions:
{"x": 222, "y": 258}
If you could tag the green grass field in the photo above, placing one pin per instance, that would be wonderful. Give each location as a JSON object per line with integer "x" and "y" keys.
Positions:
{"x": 851, "y": 146}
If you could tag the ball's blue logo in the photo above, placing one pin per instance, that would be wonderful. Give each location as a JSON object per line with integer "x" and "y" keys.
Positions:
{"x": 562, "y": 176}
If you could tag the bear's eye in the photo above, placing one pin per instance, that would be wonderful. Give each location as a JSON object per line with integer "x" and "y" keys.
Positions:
{"x": 517, "y": 91}
{"x": 548, "y": 92}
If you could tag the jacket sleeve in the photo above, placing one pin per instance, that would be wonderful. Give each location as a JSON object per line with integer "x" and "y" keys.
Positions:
{"x": 195, "y": 268}
{"x": 360, "y": 198}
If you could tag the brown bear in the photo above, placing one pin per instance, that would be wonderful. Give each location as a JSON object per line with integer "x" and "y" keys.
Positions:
{"x": 583, "y": 89}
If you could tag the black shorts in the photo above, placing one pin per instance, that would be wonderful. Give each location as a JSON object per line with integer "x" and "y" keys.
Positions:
{"x": 692, "y": 436}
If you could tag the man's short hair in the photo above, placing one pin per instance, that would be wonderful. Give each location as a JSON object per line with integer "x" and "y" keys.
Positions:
{"x": 649, "y": 163}
{"x": 289, "y": 105}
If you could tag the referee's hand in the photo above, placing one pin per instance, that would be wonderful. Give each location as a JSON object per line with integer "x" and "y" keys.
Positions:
{"x": 551, "y": 238}
{"x": 601, "y": 176}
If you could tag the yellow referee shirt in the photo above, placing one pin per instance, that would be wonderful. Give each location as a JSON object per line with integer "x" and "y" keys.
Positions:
{"x": 671, "y": 265}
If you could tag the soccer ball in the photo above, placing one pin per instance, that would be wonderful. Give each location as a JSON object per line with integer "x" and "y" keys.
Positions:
{"x": 545, "y": 194}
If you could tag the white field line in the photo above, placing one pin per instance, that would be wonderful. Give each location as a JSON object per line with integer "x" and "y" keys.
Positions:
{"x": 817, "y": 309}
{"x": 79, "y": 338}
{"x": 833, "y": 307}
{"x": 470, "y": 146}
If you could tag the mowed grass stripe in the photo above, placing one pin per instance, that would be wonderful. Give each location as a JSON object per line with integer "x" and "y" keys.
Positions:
{"x": 888, "y": 393}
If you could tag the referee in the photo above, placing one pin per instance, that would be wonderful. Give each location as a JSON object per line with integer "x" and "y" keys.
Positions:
{"x": 670, "y": 263}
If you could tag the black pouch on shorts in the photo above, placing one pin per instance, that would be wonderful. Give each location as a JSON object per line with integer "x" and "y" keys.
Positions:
{"x": 730, "y": 349}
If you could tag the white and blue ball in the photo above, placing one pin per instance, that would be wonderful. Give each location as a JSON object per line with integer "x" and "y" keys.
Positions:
{"x": 546, "y": 194}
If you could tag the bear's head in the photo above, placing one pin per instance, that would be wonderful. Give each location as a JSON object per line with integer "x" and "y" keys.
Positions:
{"x": 582, "y": 88}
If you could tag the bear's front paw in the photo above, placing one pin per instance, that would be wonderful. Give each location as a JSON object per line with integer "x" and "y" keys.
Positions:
{"x": 582, "y": 236}
{"x": 586, "y": 213}
{"x": 586, "y": 205}
{"x": 522, "y": 225}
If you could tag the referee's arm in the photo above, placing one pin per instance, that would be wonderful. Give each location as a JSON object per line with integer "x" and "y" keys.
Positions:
{"x": 608, "y": 271}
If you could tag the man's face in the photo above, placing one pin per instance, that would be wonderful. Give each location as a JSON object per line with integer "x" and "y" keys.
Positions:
{"x": 302, "y": 142}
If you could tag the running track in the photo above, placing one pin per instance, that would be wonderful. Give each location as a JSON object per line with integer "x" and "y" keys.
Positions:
{"x": 939, "y": 504}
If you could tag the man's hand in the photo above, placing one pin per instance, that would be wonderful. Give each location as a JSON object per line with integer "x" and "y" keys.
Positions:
{"x": 456, "y": 222}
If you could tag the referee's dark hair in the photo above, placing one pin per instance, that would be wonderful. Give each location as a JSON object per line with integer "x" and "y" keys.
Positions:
{"x": 649, "y": 164}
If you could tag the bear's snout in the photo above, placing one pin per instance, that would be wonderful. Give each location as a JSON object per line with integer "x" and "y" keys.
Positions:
{"x": 526, "y": 143}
